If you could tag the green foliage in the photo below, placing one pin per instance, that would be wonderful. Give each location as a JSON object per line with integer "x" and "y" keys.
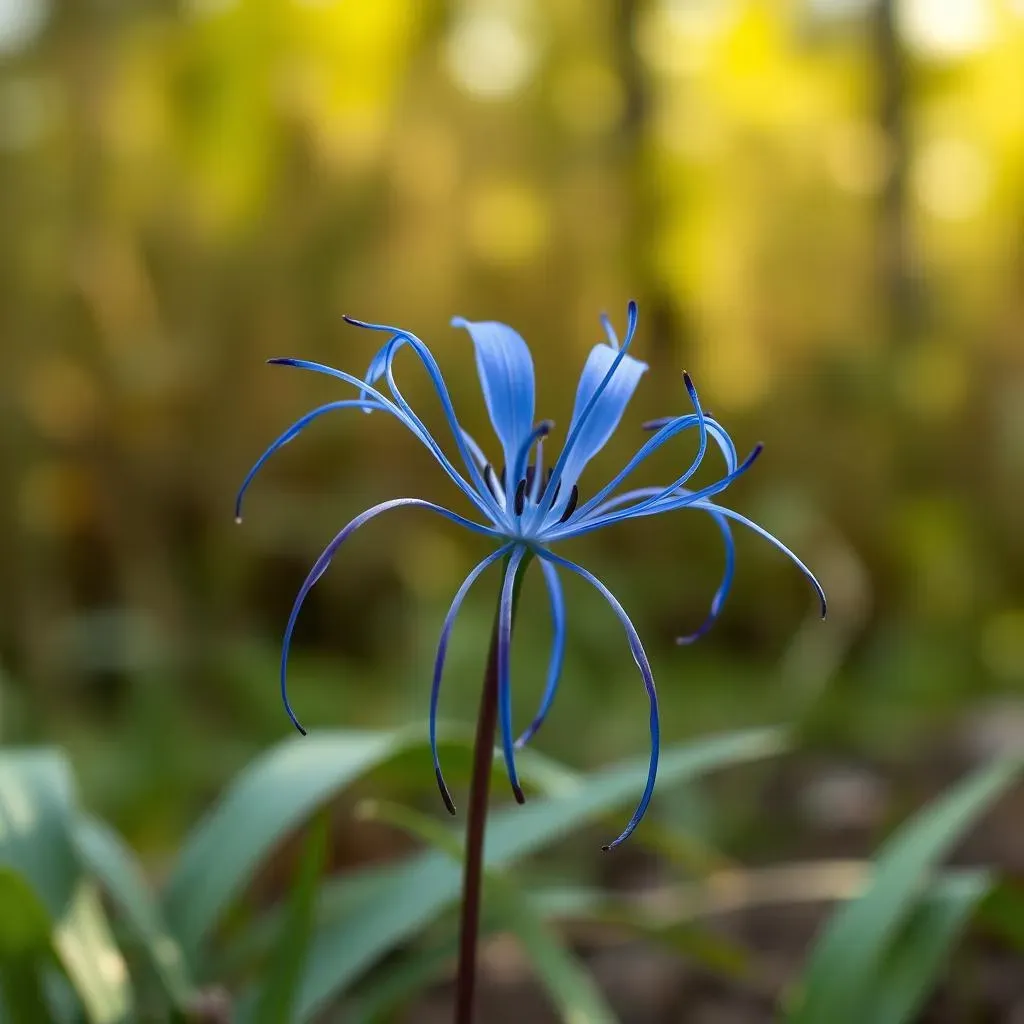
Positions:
{"x": 327, "y": 940}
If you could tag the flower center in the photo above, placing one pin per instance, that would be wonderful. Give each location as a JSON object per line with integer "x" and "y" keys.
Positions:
{"x": 526, "y": 495}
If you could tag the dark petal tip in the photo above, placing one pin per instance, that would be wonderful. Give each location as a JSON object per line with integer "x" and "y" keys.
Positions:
{"x": 517, "y": 792}
{"x": 654, "y": 424}
{"x": 445, "y": 795}
{"x": 605, "y": 849}
{"x": 302, "y": 731}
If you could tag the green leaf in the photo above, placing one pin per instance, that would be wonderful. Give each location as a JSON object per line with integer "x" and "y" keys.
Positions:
{"x": 38, "y": 870}
{"x": 271, "y": 798}
{"x": 571, "y": 988}
{"x": 917, "y": 957}
{"x": 91, "y": 959}
{"x": 21, "y": 986}
{"x": 277, "y": 999}
{"x": 114, "y": 866}
{"x": 858, "y": 936}
{"x": 430, "y": 882}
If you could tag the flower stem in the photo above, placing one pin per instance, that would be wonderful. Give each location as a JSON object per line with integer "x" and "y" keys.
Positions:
{"x": 476, "y": 824}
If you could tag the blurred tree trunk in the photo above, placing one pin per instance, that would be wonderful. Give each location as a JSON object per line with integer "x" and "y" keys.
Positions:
{"x": 897, "y": 285}
{"x": 666, "y": 320}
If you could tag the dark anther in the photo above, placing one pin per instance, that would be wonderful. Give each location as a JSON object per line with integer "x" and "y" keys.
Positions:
{"x": 574, "y": 497}
{"x": 501, "y": 477}
{"x": 492, "y": 482}
{"x": 520, "y": 501}
{"x": 531, "y": 472}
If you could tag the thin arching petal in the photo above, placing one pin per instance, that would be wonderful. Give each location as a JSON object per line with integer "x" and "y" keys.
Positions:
{"x": 724, "y": 587}
{"x": 415, "y": 427}
{"x": 321, "y": 564}
{"x": 291, "y": 433}
{"x": 557, "y": 601}
{"x": 708, "y": 506}
{"x": 505, "y": 366}
{"x": 666, "y": 500}
{"x": 382, "y": 362}
{"x": 640, "y": 657}
{"x": 505, "y": 671}
{"x": 442, "y": 651}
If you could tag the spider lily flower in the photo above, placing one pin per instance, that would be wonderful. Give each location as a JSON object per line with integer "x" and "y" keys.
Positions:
{"x": 526, "y": 511}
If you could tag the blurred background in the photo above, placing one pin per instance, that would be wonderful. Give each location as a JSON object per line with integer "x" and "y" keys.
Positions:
{"x": 819, "y": 205}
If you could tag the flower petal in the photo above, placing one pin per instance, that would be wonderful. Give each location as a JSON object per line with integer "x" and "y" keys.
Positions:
{"x": 606, "y": 385}
{"x": 504, "y": 670}
{"x": 291, "y": 433}
{"x": 640, "y": 657}
{"x": 442, "y": 651}
{"x": 557, "y": 600}
{"x": 708, "y": 506}
{"x": 382, "y": 364}
{"x": 410, "y": 421}
{"x": 723, "y": 588}
{"x": 505, "y": 367}
{"x": 321, "y": 564}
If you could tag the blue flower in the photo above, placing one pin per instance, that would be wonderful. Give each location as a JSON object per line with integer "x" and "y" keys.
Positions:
{"x": 526, "y": 511}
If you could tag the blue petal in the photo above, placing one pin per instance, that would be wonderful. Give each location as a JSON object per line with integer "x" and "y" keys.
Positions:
{"x": 321, "y": 564}
{"x": 505, "y": 367}
{"x": 442, "y": 651}
{"x": 640, "y": 657}
{"x": 606, "y": 385}
{"x": 557, "y": 601}
{"x": 291, "y": 433}
{"x": 664, "y": 500}
{"x": 382, "y": 363}
{"x": 411, "y": 421}
{"x": 504, "y": 670}
{"x": 668, "y": 430}
{"x": 722, "y": 593}
{"x": 708, "y": 506}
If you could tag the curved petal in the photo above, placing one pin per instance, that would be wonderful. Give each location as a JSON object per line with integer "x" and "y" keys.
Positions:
{"x": 557, "y": 601}
{"x": 668, "y": 430}
{"x": 291, "y": 433}
{"x": 606, "y": 385}
{"x": 442, "y": 651}
{"x": 723, "y": 588}
{"x": 504, "y": 670}
{"x": 321, "y": 564}
{"x": 708, "y": 506}
{"x": 382, "y": 363}
{"x": 640, "y": 657}
{"x": 664, "y": 501}
{"x": 505, "y": 367}
{"x": 417, "y": 428}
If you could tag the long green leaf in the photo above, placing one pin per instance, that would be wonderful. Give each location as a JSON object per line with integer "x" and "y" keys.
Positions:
{"x": 91, "y": 959}
{"x": 858, "y": 936}
{"x": 38, "y": 870}
{"x": 272, "y": 798}
{"x": 430, "y": 883}
{"x": 915, "y": 960}
{"x": 277, "y": 998}
{"x": 114, "y": 866}
{"x": 571, "y": 988}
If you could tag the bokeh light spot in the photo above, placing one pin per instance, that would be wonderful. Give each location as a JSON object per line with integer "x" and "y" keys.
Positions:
{"x": 945, "y": 29}
{"x": 21, "y": 23}
{"x": 489, "y": 55}
{"x": 951, "y": 178}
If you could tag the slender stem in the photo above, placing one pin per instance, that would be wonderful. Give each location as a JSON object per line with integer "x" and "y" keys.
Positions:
{"x": 476, "y": 823}
{"x": 483, "y": 757}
